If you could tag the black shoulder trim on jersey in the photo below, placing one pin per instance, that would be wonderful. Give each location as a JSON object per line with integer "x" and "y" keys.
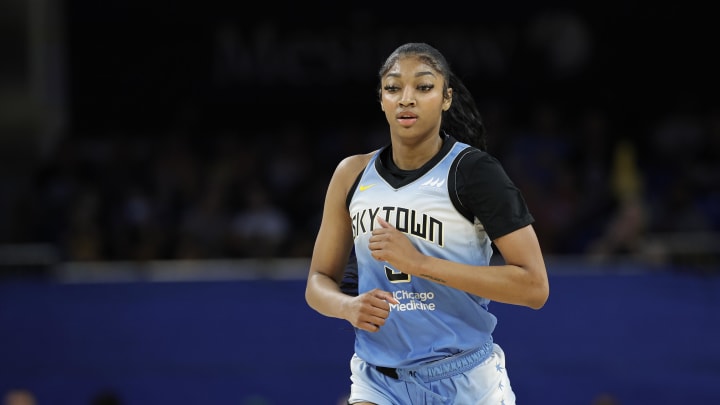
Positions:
{"x": 452, "y": 186}
{"x": 351, "y": 192}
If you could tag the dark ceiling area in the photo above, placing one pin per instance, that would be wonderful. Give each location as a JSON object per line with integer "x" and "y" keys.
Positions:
{"x": 146, "y": 64}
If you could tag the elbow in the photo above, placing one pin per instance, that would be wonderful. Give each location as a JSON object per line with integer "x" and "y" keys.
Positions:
{"x": 537, "y": 303}
{"x": 539, "y": 288}
{"x": 309, "y": 294}
{"x": 539, "y": 297}
{"x": 309, "y": 297}
{"x": 312, "y": 302}
{"x": 313, "y": 290}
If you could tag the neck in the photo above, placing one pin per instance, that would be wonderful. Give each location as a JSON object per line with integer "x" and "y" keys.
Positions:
{"x": 413, "y": 156}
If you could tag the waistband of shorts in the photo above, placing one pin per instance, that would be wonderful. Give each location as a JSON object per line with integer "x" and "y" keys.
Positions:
{"x": 443, "y": 368}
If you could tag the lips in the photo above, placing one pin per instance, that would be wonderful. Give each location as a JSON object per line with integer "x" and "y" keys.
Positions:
{"x": 405, "y": 116}
{"x": 406, "y": 119}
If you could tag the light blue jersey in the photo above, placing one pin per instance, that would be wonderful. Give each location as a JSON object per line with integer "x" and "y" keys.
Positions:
{"x": 432, "y": 321}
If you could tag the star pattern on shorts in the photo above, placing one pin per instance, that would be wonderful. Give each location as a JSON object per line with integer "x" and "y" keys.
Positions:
{"x": 501, "y": 386}
{"x": 499, "y": 368}
{"x": 502, "y": 401}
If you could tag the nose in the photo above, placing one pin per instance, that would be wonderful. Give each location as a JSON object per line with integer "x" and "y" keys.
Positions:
{"x": 407, "y": 99}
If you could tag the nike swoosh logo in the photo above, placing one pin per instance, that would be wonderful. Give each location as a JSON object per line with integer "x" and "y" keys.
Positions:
{"x": 363, "y": 188}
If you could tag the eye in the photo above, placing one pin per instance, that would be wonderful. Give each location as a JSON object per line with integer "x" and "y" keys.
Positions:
{"x": 391, "y": 89}
{"x": 425, "y": 87}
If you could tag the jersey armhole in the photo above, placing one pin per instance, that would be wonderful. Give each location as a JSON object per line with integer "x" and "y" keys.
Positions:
{"x": 452, "y": 187}
{"x": 351, "y": 192}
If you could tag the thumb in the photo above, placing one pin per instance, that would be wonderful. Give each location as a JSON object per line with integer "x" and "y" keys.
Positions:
{"x": 387, "y": 296}
{"x": 383, "y": 223}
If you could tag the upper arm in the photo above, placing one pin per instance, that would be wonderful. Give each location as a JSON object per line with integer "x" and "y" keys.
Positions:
{"x": 493, "y": 198}
{"x": 334, "y": 239}
{"x": 521, "y": 248}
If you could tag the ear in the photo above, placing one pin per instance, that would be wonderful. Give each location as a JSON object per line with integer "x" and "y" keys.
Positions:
{"x": 447, "y": 102}
{"x": 382, "y": 108}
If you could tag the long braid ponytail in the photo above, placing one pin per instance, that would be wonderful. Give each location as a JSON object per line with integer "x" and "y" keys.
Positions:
{"x": 462, "y": 120}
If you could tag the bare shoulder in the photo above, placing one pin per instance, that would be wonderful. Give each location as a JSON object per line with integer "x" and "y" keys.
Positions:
{"x": 355, "y": 163}
{"x": 349, "y": 168}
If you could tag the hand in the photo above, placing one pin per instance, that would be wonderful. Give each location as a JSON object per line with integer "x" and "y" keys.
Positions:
{"x": 392, "y": 246}
{"x": 368, "y": 311}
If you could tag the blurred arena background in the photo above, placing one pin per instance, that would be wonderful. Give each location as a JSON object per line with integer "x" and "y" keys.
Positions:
{"x": 163, "y": 167}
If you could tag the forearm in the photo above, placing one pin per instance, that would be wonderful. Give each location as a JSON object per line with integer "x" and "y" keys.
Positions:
{"x": 511, "y": 284}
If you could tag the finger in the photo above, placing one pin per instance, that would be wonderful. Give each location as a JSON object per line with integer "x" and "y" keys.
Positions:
{"x": 367, "y": 326}
{"x": 377, "y": 320}
{"x": 387, "y": 296}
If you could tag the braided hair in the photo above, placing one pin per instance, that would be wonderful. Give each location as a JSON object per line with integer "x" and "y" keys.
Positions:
{"x": 462, "y": 120}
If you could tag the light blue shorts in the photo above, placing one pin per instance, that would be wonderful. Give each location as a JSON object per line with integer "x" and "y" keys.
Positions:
{"x": 473, "y": 378}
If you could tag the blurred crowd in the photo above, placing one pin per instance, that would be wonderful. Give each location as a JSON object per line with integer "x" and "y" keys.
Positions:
{"x": 122, "y": 196}
{"x": 600, "y": 180}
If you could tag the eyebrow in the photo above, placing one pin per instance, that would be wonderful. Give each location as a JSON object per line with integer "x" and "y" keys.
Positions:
{"x": 418, "y": 74}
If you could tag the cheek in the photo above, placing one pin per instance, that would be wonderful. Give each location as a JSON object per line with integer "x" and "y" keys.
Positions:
{"x": 386, "y": 101}
{"x": 437, "y": 100}
{"x": 386, "y": 104}
{"x": 389, "y": 114}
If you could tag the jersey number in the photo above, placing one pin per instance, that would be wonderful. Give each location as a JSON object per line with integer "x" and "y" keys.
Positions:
{"x": 395, "y": 276}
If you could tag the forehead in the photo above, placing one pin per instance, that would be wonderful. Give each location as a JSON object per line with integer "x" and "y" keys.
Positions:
{"x": 412, "y": 66}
